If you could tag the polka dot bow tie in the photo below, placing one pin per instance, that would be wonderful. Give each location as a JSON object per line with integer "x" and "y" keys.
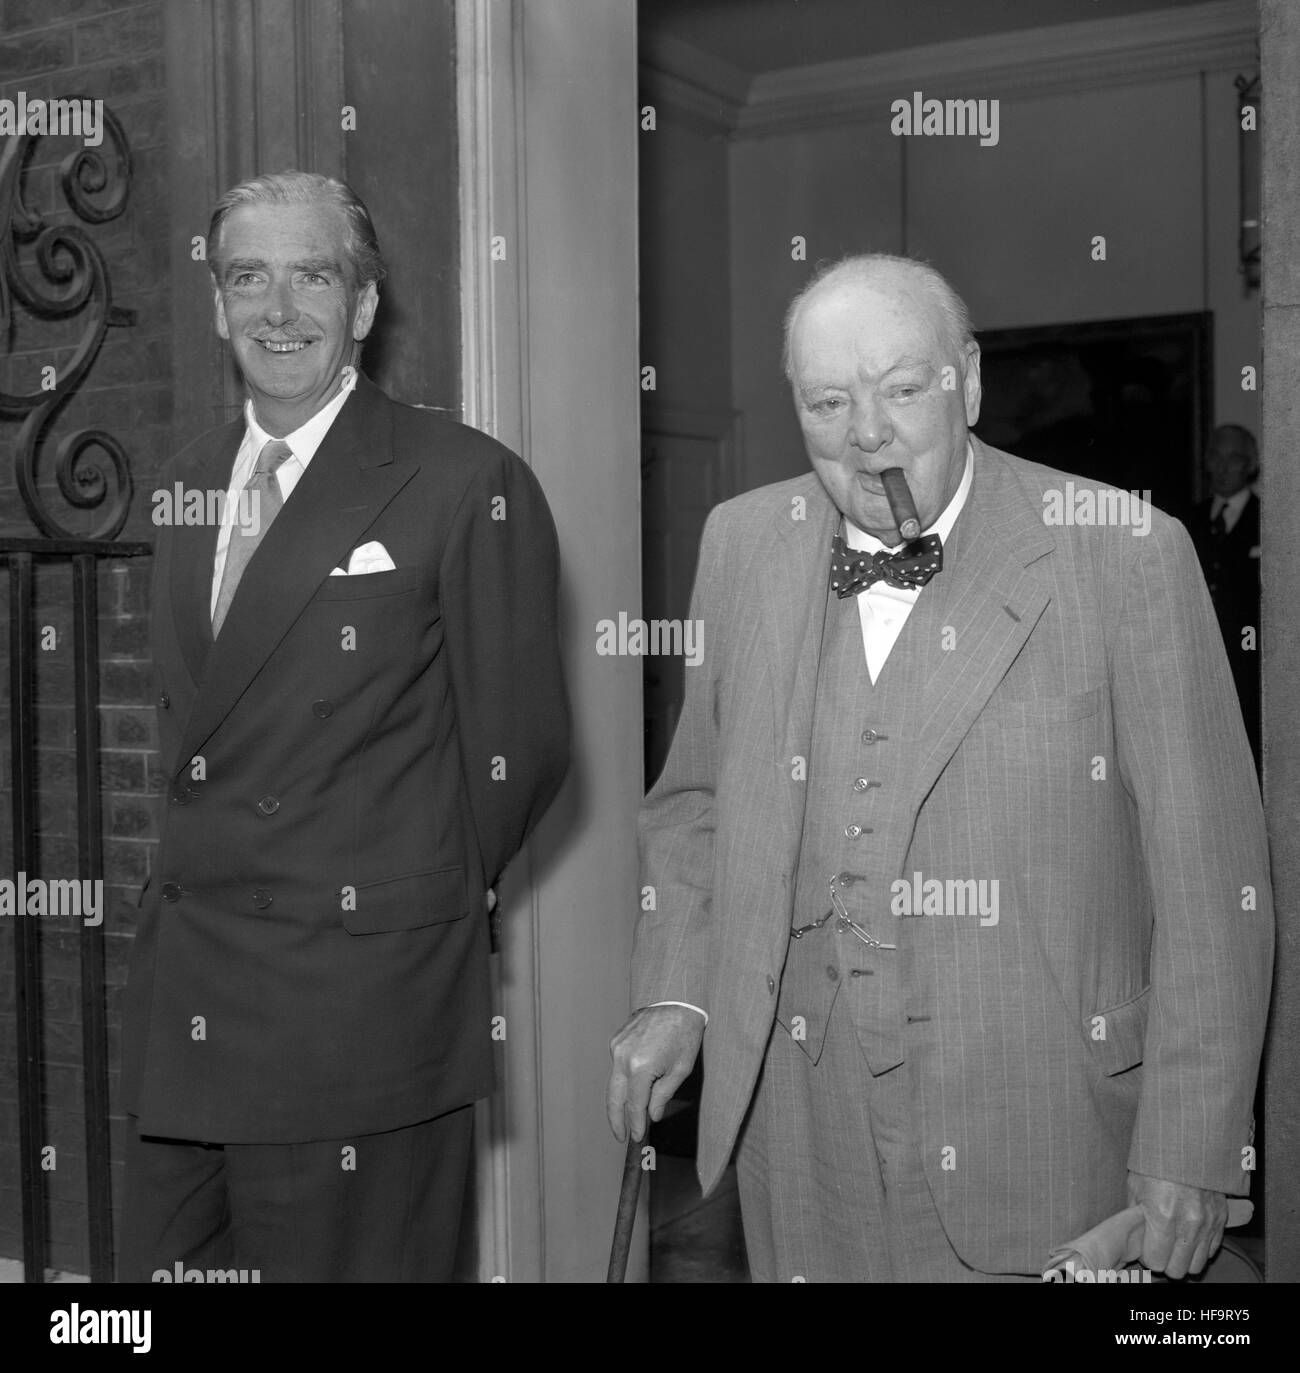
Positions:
{"x": 913, "y": 565}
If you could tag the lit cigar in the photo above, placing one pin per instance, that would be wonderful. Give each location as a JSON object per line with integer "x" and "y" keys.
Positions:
{"x": 901, "y": 504}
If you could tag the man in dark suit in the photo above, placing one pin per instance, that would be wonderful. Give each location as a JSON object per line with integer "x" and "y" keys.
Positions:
{"x": 1226, "y": 531}
{"x": 362, "y": 718}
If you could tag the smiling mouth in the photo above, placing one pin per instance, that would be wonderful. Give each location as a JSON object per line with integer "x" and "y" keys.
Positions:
{"x": 284, "y": 346}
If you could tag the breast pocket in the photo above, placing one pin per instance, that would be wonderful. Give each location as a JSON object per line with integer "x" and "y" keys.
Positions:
{"x": 1049, "y": 710}
{"x": 367, "y": 584}
{"x": 409, "y": 903}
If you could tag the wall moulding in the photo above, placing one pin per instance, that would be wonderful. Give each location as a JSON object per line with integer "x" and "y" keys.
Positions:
{"x": 1089, "y": 55}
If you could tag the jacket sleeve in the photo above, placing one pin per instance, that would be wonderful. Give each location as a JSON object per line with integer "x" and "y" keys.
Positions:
{"x": 1185, "y": 759}
{"x": 499, "y": 584}
{"x": 676, "y": 827}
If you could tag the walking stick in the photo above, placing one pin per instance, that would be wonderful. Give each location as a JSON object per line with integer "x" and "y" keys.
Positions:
{"x": 626, "y": 1218}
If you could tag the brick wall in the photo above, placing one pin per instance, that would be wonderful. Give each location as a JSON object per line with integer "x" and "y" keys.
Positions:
{"x": 113, "y": 51}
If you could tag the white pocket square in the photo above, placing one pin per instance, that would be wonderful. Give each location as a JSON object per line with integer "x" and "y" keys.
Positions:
{"x": 370, "y": 557}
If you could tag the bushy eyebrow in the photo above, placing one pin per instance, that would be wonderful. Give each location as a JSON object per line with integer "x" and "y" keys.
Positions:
{"x": 257, "y": 264}
{"x": 814, "y": 388}
{"x": 902, "y": 365}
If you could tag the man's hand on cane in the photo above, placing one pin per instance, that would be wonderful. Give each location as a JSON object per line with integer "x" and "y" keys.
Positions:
{"x": 653, "y": 1054}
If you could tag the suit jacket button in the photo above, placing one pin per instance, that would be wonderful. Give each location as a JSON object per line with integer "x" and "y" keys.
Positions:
{"x": 322, "y": 710}
{"x": 869, "y": 736}
{"x": 181, "y": 795}
{"x": 268, "y": 805}
{"x": 771, "y": 983}
{"x": 853, "y": 831}
{"x": 165, "y": 701}
{"x": 171, "y": 891}
{"x": 262, "y": 898}
{"x": 832, "y": 972}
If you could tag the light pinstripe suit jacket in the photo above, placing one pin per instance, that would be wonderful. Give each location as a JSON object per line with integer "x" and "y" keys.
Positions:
{"x": 1121, "y": 896}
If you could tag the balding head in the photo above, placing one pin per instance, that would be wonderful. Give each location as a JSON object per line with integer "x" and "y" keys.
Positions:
{"x": 885, "y": 374}
{"x": 917, "y": 282}
{"x": 1232, "y": 459}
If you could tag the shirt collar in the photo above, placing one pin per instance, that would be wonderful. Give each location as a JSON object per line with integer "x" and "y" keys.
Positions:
{"x": 307, "y": 438}
{"x": 868, "y": 543}
{"x": 1231, "y": 505}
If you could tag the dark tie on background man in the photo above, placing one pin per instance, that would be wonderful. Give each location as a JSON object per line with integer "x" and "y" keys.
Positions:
{"x": 243, "y": 543}
{"x": 1219, "y": 524}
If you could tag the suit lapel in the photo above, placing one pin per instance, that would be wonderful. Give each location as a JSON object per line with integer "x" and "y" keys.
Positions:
{"x": 990, "y": 601}
{"x": 350, "y": 479}
{"x": 195, "y": 546}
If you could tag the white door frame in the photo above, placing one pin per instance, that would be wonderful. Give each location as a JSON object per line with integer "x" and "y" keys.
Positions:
{"x": 548, "y": 212}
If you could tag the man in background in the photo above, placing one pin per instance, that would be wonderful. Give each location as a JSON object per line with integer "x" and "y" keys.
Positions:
{"x": 1226, "y": 531}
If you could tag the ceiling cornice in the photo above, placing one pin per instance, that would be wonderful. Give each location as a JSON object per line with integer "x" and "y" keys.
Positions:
{"x": 1088, "y": 55}
{"x": 706, "y": 91}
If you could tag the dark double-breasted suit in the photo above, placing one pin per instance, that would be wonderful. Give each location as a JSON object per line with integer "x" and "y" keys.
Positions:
{"x": 348, "y": 768}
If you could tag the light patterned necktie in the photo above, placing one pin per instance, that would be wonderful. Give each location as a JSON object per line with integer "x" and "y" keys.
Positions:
{"x": 243, "y": 542}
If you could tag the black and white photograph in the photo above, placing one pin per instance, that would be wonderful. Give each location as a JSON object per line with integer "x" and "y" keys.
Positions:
{"x": 649, "y": 642}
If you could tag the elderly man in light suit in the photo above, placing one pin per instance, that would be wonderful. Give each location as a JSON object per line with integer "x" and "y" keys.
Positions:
{"x": 921, "y": 1091}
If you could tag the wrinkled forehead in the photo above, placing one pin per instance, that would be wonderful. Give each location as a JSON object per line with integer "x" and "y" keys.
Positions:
{"x": 867, "y": 327}
{"x": 277, "y": 232}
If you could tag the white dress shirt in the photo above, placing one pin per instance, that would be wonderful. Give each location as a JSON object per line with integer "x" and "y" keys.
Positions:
{"x": 882, "y": 608}
{"x": 1231, "y": 507}
{"x": 304, "y": 441}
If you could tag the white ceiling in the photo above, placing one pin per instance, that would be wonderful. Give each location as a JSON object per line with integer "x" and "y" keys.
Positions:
{"x": 768, "y": 35}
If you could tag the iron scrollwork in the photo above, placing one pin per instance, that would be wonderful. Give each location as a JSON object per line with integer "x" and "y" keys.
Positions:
{"x": 73, "y": 279}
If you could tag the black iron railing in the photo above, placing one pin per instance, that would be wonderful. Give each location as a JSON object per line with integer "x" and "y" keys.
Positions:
{"x": 65, "y": 276}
